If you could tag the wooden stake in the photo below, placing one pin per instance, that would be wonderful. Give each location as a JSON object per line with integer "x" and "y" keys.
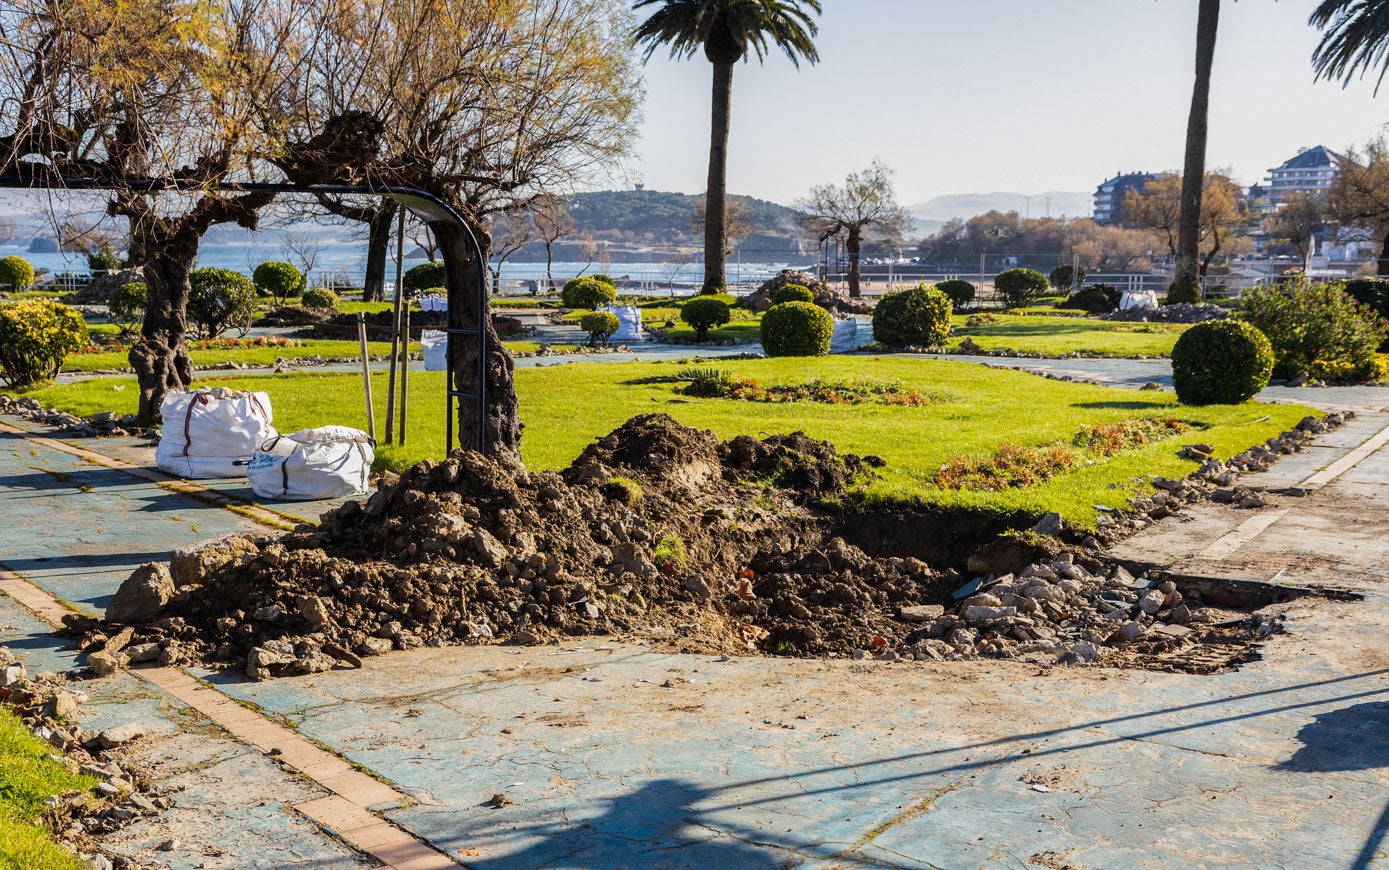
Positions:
{"x": 395, "y": 324}
{"x": 404, "y": 374}
{"x": 366, "y": 374}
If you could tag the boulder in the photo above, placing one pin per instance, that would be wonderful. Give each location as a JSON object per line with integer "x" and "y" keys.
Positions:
{"x": 193, "y": 565}
{"x": 142, "y": 596}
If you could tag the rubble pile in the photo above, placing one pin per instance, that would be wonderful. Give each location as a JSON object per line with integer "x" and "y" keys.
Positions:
{"x": 826, "y": 296}
{"x": 1182, "y": 312}
{"x": 47, "y": 704}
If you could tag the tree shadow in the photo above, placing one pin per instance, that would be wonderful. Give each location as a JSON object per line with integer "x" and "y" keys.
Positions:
{"x": 1349, "y": 738}
{"x": 1124, "y": 406}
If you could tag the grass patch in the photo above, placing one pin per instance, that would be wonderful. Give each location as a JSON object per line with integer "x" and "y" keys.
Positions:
{"x": 1054, "y": 335}
{"x": 28, "y": 775}
{"x": 253, "y": 356}
{"x": 975, "y": 411}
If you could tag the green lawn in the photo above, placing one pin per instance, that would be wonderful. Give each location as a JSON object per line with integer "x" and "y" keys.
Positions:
{"x": 255, "y": 356}
{"x": 28, "y": 775}
{"x": 971, "y": 412}
{"x": 1053, "y": 335}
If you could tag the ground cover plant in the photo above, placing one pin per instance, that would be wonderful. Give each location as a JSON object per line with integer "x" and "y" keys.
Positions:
{"x": 29, "y": 775}
{"x": 1058, "y": 335}
{"x": 711, "y": 383}
{"x": 973, "y": 412}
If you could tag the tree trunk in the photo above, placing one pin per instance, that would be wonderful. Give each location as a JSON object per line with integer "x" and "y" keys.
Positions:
{"x": 378, "y": 252}
{"x": 549, "y": 265}
{"x": 1194, "y": 170}
{"x": 1382, "y": 266}
{"x": 160, "y": 357}
{"x": 852, "y": 245}
{"x": 502, "y": 422}
{"x": 716, "y": 194}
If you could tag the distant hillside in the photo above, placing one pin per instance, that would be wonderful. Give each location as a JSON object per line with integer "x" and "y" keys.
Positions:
{"x": 655, "y": 217}
{"x": 967, "y": 205}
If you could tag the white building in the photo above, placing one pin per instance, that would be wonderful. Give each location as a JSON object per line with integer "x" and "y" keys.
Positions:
{"x": 1311, "y": 171}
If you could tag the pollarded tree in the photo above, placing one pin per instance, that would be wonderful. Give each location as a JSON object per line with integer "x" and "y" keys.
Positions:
{"x": 725, "y": 30}
{"x": 866, "y": 204}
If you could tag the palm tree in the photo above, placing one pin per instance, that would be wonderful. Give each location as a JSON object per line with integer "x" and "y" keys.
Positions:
{"x": 725, "y": 30}
{"x": 1186, "y": 285}
{"x": 1356, "y": 39}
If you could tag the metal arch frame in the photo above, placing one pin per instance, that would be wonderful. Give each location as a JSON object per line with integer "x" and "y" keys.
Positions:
{"x": 424, "y": 205}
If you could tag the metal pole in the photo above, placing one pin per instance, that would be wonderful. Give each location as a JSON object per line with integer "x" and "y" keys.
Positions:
{"x": 404, "y": 374}
{"x": 366, "y": 374}
{"x": 395, "y": 326}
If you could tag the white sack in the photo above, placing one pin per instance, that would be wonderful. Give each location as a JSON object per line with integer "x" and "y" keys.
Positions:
{"x": 845, "y": 338}
{"x": 328, "y": 462}
{"x": 628, "y": 322}
{"x": 436, "y": 350}
{"x": 212, "y": 433}
{"x": 1138, "y": 299}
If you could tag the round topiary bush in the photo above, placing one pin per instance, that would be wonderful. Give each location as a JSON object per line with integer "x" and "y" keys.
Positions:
{"x": 959, "y": 291}
{"x": 587, "y": 291}
{"x": 793, "y": 293}
{"x": 422, "y": 278}
{"x": 797, "y": 329}
{"x": 1096, "y": 299}
{"x": 128, "y": 303}
{"x": 220, "y": 299}
{"x": 36, "y": 335}
{"x": 1221, "y": 362}
{"x": 277, "y": 279}
{"x": 16, "y": 273}
{"x": 919, "y": 317}
{"x": 1020, "y": 286}
{"x": 704, "y": 313}
{"x": 1184, "y": 292}
{"x": 320, "y": 298}
{"x": 1066, "y": 277}
{"x": 599, "y": 325}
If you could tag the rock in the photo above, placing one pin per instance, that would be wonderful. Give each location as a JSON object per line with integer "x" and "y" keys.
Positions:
{"x": 1086, "y": 651}
{"x": 314, "y": 611}
{"x": 1174, "y": 631}
{"x": 489, "y": 548}
{"x": 921, "y": 612}
{"x": 10, "y": 675}
{"x": 113, "y": 737}
{"x": 104, "y": 664}
{"x": 192, "y": 565}
{"x": 142, "y": 596}
{"x": 169, "y": 845}
{"x": 1130, "y": 631}
{"x": 268, "y": 613}
{"x": 260, "y": 660}
{"x": 145, "y": 652}
{"x": 984, "y": 615}
{"x": 63, "y": 705}
{"x": 1051, "y": 524}
{"x": 1151, "y": 602}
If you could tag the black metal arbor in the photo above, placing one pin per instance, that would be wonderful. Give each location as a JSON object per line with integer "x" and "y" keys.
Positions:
{"x": 427, "y": 207}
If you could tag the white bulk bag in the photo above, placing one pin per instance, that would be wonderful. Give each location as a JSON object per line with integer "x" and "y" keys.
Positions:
{"x": 628, "y": 322}
{"x": 212, "y": 433}
{"x": 436, "y": 350}
{"x": 433, "y": 303}
{"x": 328, "y": 462}
{"x": 1138, "y": 299}
{"x": 845, "y": 338}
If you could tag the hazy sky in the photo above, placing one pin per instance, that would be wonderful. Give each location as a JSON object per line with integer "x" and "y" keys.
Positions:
{"x": 1005, "y": 95}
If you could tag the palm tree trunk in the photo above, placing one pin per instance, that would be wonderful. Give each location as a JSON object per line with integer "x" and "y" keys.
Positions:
{"x": 1194, "y": 170}
{"x": 852, "y": 245}
{"x": 716, "y": 195}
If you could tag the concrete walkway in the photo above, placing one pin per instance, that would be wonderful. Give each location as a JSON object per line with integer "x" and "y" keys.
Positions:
{"x": 618, "y": 756}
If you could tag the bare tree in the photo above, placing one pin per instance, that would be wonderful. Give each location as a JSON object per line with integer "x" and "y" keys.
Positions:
{"x": 737, "y": 221}
{"x": 671, "y": 266}
{"x": 866, "y": 204}
{"x": 588, "y": 249}
{"x": 552, "y": 222}
{"x": 1360, "y": 195}
{"x": 511, "y": 231}
{"x": 301, "y": 249}
{"x": 1223, "y": 212}
{"x": 1299, "y": 217}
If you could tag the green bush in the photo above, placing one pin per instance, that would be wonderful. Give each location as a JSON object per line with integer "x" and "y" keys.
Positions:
{"x": 959, "y": 291}
{"x": 705, "y": 312}
{"x": 418, "y": 280}
{"x": 277, "y": 280}
{"x": 103, "y": 258}
{"x": 1018, "y": 287}
{"x": 320, "y": 298}
{"x": 220, "y": 299}
{"x": 1221, "y": 362}
{"x": 1066, "y": 277}
{"x": 797, "y": 329}
{"x": 16, "y": 273}
{"x": 1373, "y": 293}
{"x": 1316, "y": 329}
{"x": 587, "y": 291}
{"x": 36, "y": 335}
{"x": 1096, "y": 299}
{"x": 128, "y": 303}
{"x": 793, "y": 293}
{"x": 606, "y": 279}
{"x": 599, "y": 325}
{"x": 919, "y": 317}
{"x": 1186, "y": 292}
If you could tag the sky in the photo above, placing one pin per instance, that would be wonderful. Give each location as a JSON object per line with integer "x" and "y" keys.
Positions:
{"x": 1024, "y": 96}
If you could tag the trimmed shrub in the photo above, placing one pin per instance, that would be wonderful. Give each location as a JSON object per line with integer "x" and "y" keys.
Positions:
{"x": 599, "y": 325}
{"x": 16, "y": 273}
{"x": 277, "y": 280}
{"x": 704, "y": 313}
{"x": 1096, "y": 299}
{"x": 1066, "y": 277}
{"x": 1020, "y": 286}
{"x": 128, "y": 303}
{"x": 36, "y": 335}
{"x": 419, "y": 280}
{"x": 1186, "y": 292}
{"x": 959, "y": 291}
{"x": 1221, "y": 362}
{"x": 587, "y": 291}
{"x": 1316, "y": 330}
{"x": 793, "y": 293}
{"x": 220, "y": 299}
{"x": 606, "y": 279}
{"x": 919, "y": 317}
{"x": 797, "y": 329}
{"x": 321, "y": 298}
